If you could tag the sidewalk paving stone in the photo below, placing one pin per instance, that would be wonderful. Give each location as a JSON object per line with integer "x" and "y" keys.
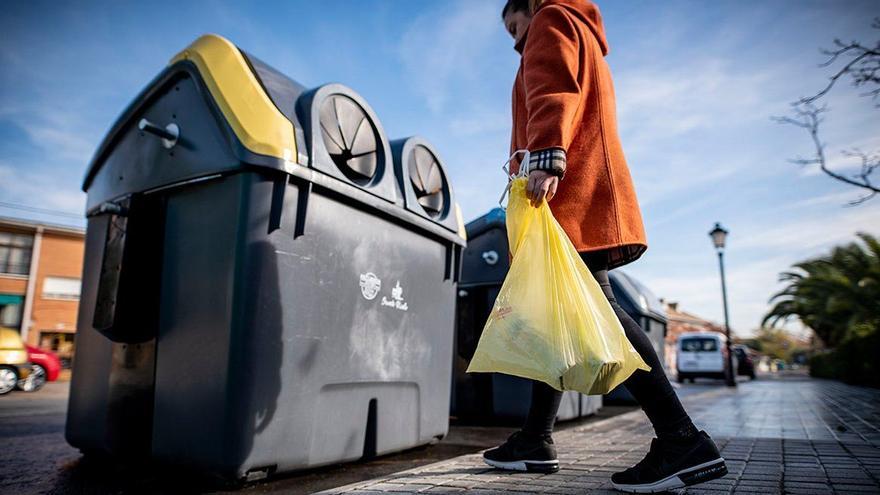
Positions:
{"x": 782, "y": 436}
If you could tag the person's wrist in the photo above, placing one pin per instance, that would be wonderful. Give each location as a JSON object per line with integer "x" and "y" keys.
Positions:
{"x": 549, "y": 160}
{"x": 545, "y": 174}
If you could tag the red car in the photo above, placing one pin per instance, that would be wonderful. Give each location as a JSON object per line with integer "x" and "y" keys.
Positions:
{"x": 45, "y": 368}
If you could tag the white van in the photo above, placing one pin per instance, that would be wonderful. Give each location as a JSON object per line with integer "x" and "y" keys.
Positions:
{"x": 701, "y": 355}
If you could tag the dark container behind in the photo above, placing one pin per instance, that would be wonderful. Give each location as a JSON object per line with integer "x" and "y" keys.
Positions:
{"x": 492, "y": 397}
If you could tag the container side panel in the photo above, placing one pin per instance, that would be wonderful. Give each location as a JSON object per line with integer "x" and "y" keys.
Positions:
{"x": 89, "y": 386}
{"x": 590, "y": 404}
{"x": 350, "y": 308}
{"x": 192, "y": 388}
{"x": 569, "y": 406}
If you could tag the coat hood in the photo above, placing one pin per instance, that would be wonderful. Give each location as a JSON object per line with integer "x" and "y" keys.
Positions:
{"x": 588, "y": 13}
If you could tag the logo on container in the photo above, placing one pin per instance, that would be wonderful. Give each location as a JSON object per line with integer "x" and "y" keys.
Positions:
{"x": 396, "y": 300}
{"x": 370, "y": 285}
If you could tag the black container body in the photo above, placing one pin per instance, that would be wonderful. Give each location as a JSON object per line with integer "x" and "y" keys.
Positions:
{"x": 284, "y": 320}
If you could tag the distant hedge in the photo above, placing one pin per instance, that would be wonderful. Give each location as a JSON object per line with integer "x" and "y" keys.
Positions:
{"x": 855, "y": 361}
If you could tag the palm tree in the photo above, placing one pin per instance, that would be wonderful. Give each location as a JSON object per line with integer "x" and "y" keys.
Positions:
{"x": 838, "y": 296}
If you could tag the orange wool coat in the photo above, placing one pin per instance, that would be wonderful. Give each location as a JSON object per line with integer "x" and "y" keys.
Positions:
{"x": 564, "y": 114}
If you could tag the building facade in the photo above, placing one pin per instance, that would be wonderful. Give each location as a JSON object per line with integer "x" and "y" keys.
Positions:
{"x": 40, "y": 270}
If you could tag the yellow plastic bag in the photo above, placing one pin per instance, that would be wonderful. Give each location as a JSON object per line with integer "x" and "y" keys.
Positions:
{"x": 551, "y": 321}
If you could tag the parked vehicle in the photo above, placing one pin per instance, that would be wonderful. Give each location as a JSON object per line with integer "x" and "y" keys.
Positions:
{"x": 45, "y": 367}
{"x": 14, "y": 364}
{"x": 745, "y": 363}
{"x": 701, "y": 355}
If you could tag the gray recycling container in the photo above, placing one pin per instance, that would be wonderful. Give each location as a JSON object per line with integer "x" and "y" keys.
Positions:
{"x": 646, "y": 309}
{"x": 262, "y": 290}
{"x": 493, "y": 397}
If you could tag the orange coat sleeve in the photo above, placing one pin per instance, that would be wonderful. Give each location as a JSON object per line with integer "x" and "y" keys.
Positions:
{"x": 551, "y": 65}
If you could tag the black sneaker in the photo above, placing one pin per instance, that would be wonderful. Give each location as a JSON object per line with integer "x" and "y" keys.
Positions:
{"x": 671, "y": 464}
{"x": 522, "y": 452}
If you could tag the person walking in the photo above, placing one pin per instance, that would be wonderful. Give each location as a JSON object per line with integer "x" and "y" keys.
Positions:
{"x": 564, "y": 113}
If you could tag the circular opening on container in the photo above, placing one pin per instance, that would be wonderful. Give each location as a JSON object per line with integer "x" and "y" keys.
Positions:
{"x": 428, "y": 181}
{"x": 350, "y": 138}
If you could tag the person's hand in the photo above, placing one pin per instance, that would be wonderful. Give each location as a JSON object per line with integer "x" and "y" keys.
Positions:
{"x": 541, "y": 185}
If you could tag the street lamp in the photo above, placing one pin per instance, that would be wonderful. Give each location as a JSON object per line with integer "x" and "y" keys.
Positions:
{"x": 719, "y": 235}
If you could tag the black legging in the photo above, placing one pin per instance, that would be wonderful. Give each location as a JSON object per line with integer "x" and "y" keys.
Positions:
{"x": 651, "y": 389}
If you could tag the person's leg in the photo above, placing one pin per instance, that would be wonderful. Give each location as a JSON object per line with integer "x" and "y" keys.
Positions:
{"x": 680, "y": 455}
{"x": 542, "y": 410}
{"x": 531, "y": 448}
{"x": 651, "y": 389}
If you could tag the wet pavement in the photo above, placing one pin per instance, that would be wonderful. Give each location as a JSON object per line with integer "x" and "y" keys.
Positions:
{"x": 35, "y": 458}
{"x": 789, "y": 435}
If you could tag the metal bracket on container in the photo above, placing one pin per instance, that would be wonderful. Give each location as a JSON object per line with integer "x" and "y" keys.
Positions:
{"x": 169, "y": 134}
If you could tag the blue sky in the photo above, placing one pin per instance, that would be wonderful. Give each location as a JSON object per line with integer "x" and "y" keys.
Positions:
{"x": 696, "y": 84}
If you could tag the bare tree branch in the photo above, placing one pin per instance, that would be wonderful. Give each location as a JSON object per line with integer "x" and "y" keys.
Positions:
{"x": 864, "y": 71}
{"x": 861, "y": 200}
{"x": 864, "y": 66}
{"x": 808, "y": 116}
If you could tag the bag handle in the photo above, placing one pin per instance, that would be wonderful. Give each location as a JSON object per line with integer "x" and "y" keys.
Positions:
{"x": 523, "y": 172}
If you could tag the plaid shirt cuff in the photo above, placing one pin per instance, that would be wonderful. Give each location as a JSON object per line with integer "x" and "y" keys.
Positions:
{"x": 551, "y": 160}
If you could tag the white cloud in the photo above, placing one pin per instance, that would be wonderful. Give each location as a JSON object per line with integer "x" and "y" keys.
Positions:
{"x": 836, "y": 198}
{"x": 753, "y": 262}
{"x": 812, "y": 232}
{"x": 41, "y": 189}
{"x": 61, "y": 141}
{"x": 687, "y": 126}
{"x": 749, "y": 287}
{"x": 476, "y": 123}
{"x": 679, "y": 175}
{"x": 440, "y": 50}
{"x": 658, "y": 103}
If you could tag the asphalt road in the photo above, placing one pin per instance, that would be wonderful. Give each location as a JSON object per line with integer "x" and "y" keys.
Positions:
{"x": 35, "y": 458}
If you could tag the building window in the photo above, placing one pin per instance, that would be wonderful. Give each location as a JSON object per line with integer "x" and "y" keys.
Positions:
{"x": 61, "y": 343}
{"x": 10, "y": 310}
{"x": 15, "y": 253}
{"x": 61, "y": 288}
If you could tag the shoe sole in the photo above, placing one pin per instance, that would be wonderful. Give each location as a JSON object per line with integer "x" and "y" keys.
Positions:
{"x": 691, "y": 476}
{"x": 529, "y": 466}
